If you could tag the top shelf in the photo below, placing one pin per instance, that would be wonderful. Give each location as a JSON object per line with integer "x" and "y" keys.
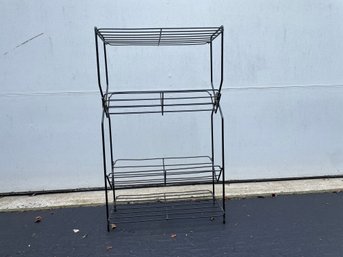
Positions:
{"x": 158, "y": 36}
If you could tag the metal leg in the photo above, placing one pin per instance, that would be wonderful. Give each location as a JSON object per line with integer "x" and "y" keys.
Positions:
{"x": 223, "y": 164}
{"x": 104, "y": 162}
{"x": 212, "y": 158}
{"x": 112, "y": 169}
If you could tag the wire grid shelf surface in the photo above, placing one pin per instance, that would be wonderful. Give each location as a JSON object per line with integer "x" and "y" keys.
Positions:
{"x": 163, "y": 171}
{"x": 158, "y": 36}
{"x": 167, "y": 101}
{"x": 165, "y": 206}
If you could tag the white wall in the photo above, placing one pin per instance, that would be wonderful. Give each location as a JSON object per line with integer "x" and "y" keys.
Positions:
{"x": 283, "y": 92}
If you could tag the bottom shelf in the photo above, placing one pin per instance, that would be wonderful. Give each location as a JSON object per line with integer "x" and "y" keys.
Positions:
{"x": 165, "y": 206}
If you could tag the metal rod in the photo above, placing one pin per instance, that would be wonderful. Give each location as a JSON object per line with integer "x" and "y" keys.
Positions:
{"x": 221, "y": 61}
{"x": 159, "y": 91}
{"x": 196, "y": 168}
{"x": 164, "y": 172}
{"x": 169, "y": 28}
{"x": 211, "y": 65}
{"x": 106, "y": 69}
{"x": 212, "y": 156}
{"x": 174, "y": 111}
{"x": 97, "y": 62}
{"x": 157, "y": 165}
{"x": 159, "y": 39}
{"x": 157, "y": 98}
{"x": 162, "y": 102}
{"x": 162, "y": 105}
{"x": 223, "y": 163}
{"x": 111, "y": 149}
{"x": 104, "y": 164}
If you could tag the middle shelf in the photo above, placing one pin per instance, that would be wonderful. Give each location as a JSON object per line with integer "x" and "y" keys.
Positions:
{"x": 166, "y": 101}
{"x": 163, "y": 171}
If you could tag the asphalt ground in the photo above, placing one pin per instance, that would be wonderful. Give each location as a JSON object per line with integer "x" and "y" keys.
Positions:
{"x": 294, "y": 226}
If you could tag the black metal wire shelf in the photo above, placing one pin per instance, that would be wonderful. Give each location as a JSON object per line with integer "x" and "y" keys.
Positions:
{"x": 165, "y": 206}
{"x": 163, "y": 171}
{"x": 158, "y": 36}
{"x": 166, "y": 171}
{"x": 166, "y": 101}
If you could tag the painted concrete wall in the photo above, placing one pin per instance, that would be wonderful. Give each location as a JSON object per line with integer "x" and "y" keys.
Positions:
{"x": 283, "y": 92}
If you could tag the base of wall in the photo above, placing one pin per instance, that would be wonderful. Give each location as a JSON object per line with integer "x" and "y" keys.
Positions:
{"x": 233, "y": 190}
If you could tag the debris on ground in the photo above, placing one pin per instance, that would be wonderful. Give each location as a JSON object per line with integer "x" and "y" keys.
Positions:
{"x": 109, "y": 247}
{"x": 38, "y": 219}
{"x": 113, "y": 226}
{"x": 173, "y": 236}
{"x": 75, "y": 230}
{"x": 84, "y": 236}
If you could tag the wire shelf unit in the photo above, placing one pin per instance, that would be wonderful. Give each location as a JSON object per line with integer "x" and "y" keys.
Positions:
{"x": 161, "y": 171}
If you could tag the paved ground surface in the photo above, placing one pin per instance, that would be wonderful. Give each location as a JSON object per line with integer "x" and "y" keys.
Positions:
{"x": 293, "y": 226}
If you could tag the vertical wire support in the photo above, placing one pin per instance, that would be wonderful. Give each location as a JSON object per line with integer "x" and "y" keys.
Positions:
{"x": 223, "y": 163}
{"x": 98, "y": 62}
{"x": 221, "y": 69}
{"x": 222, "y": 119}
{"x": 106, "y": 70}
{"x": 162, "y": 102}
{"x": 159, "y": 39}
{"x": 212, "y": 157}
{"x": 164, "y": 172}
{"x": 221, "y": 61}
{"x": 112, "y": 162}
{"x": 211, "y": 64}
{"x": 104, "y": 164}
